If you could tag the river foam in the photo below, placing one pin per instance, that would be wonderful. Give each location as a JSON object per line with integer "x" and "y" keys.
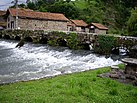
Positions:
{"x": 34, "y": 61}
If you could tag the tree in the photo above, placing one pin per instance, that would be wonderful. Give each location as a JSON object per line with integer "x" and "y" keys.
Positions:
{"x": 31, "y": 5}
{"x": 22, "y": 5}
{"x": 68, "y": 9}
{"x": 132, "y": 23}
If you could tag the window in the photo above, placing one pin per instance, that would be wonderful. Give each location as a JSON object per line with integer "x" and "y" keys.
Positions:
{"x": 83, "y": 29}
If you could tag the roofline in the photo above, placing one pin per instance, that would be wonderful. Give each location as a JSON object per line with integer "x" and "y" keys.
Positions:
{"x": 97, "y": 27}
{"x": 38, "y": 18}
{"x": 76, "y": 24}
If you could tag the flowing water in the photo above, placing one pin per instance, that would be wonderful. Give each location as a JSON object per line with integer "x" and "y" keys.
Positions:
{"x": 34, "y": 61}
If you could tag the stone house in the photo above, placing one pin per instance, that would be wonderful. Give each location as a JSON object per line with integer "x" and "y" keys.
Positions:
{"x": 2, "y": 20}
{"x": 77, "y": 25}
{"x": 31, "y": 20}
{"x": 97, "y": 28}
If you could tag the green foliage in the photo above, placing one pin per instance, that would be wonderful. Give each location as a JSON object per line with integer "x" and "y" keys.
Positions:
{"x": 32, "y": 6}
{"x": 53, "y": 42}
{"x": 72, "y": 41}
{"x": 56, "y": 38}
{"x": 132, "y": 23}
{"x": 104, "y": 44}
{"x": 68, "y": 9}
{"x": 121, "y": 66}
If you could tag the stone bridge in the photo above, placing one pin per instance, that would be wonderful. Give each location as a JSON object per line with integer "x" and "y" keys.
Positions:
{"x": 83, "y": 38}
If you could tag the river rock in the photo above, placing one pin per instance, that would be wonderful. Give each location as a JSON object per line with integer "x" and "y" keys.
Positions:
{"x": 114, "y": 67}
{"x": 130, "y": 77}
{"x": 20, "y": 44}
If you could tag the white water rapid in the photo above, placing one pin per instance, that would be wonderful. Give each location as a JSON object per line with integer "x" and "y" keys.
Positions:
{"x": 34, "y": 61}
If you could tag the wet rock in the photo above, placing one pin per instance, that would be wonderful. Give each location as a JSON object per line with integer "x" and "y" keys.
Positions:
{"x": 20, "y": 44}
{"x": 114, "y": 76}
{"x": 114, "y": 67}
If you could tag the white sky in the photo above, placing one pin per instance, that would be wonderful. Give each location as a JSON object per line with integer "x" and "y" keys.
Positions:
{"x": 4, "y": 4}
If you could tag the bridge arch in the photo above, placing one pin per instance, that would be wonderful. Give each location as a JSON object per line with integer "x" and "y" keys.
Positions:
{"x": 17, "y": 38}
{"x": 121, "y": 50}
{"x": 62, "y": 42}
{"x": 44, "y": 40}
{"x": 6, "y": 37}
{"x": 28, "y": 39}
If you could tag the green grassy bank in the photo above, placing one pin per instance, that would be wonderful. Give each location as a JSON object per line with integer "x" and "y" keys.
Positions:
{"x": 84, "y": 87}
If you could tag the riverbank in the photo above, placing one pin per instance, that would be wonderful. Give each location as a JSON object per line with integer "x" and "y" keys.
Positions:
{"x": 83, "y": 87}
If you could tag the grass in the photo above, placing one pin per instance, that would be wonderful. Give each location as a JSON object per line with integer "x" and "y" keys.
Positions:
{"x": 121, "y": 66}
{"x": 84, "y": 87}
{"x": 81, "y": 4}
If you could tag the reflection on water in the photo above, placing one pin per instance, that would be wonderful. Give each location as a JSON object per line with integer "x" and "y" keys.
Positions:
{"x": 34, "y": 61}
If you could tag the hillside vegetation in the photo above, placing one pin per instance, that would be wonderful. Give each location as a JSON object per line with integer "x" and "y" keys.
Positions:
{"x": 115, "y": 14}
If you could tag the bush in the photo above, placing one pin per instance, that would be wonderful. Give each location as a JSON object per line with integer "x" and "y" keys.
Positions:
{"x": 72, "y": 41}
{"x": 56, "y": 38}
{"x": 104, "y": 44}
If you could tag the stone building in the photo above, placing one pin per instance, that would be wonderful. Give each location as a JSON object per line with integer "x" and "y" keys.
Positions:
{"x": 77, "y": 25}
{"x": 2, "y": 20}
{"x": 97, "y": 28}
{"x": 31, "y": 20}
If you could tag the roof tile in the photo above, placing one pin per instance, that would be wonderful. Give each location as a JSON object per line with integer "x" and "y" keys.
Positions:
{"x": 79, "y": 22}
{"x": 100, "y": 26}
{"x": 27, "y": 13}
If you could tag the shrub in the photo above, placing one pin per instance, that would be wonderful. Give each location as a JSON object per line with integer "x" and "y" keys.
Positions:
{"x": 104, "y": 44}
{"x": 72, "y": 41}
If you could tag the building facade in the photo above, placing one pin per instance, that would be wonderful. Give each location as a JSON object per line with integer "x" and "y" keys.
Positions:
{"x": 31, "y": 20}
{"x": 97, "y": 28}
{"x": 77, "y": 25}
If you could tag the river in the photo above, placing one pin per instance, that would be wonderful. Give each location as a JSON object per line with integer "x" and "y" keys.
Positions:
{"x": 34, "y": 61}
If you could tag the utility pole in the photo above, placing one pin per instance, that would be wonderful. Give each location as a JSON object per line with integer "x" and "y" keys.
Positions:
{"x": 16, "y": 4}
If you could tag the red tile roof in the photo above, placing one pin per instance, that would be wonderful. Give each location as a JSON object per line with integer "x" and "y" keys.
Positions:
{"x": 70, "y": 23}
{"x": 99, "y": 26}
{"x": 79, "y": 22}
{"x": 27, "y": 13}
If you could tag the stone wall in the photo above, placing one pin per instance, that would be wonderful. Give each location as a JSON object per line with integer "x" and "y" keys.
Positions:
{"x": 57, "y": 25}
{"x": 98, "y": 31}
{"x": 32, "y": 24}
{"x": 78, "y": 29}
